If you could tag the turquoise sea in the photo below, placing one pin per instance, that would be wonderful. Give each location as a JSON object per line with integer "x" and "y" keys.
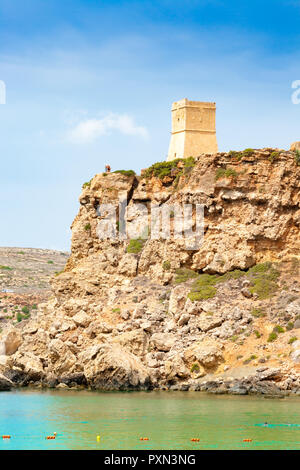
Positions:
{"x": 168, "y": 419}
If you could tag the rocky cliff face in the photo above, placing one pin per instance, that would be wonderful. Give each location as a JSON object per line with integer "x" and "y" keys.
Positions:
{"x": 139, "y": 314}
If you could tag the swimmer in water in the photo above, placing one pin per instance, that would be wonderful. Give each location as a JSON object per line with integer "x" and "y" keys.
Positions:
{"x": 266, "y": 424}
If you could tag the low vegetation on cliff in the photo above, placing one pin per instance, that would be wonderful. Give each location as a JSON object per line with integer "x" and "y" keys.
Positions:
{"x": 262, "y": 280}
{"x": 125, "y": 172}
{"x": 135, "y": 245}
{"x": 179, "y": 166}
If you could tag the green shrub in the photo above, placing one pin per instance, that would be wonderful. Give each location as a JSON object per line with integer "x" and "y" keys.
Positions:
{"x": 289, "y": 326}
{"x": 261, "y": 268}
{"x": 297, "y": 157}
{"x": 257, "y": 334}
{"x": 57, "y": 273}
{"x": 204, "y": 286}
{"x": 116, "y": 310}
{"x": 34, "y": 307}
{"x": 240, "y": 154}
{"x": 235, "y": 155}
{"x": 87, "y": 184}
{"x": 278, "y": 329}
{"x": 258, "y": 312}
{"x": 21, "y": 253}
{"x": 166, "y": 265}
{"x": 162, "y": 169}
{"x": 184, "y": 274}
{"x": 189, "y": 162}
{"x": 274, "y": 156}
{"x": 272, "y": 337}
{"x": 19, "y": 317}
{"x": 195, "y": 367}
{"x": 87, "y": 227}
{"x": 263, "y": 288}
{"x": 203, "y": 293}
{"x": 50, "y": 262}
{"x": 251, "y": 358}
{"x": 263, "y": 278}
{"x": 225, "y": 173}
{"x": 248, "y": 152}
{"x": 125, "y": 172}
{"x": 135, "y": 245}
{"x": 292, "y": 339}
{"x": 236, "y": 274}
{"x": 6, "y": 268}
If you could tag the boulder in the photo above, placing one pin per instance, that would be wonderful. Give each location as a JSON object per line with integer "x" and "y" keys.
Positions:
{"x": 296, "y": 344}
{"x": 295, "y": 146}
{"x": 176, "y": 368}
{"x": 177, "y": 299}
{"x": 237, "y": 389}
{"x": 71, "y": 380}
{"x": 295, "y": 356}
{"x": 151, "y": 360}
{"x": 163, "y": 341}
{"x": 297, "y": 324}
{"x": 125, "y": 314}
{"x": 95, "y": 328}
{"x": 67, "y": 364}
{"x": 90, "y": 353}
{"x": 31, "y": 365}
{"x": 11, "y": 342}
{"x": 128, "y": 264}
{"x": 116, "y": 369}
{"x": 184, "y": 319}
{"x": 208, "y": 321}
{"x": 135, "y": 341}
{"x": 82, "y": 319}
{"x": 5, "y": 383}
{"x": 246, "y": 292}
{"x": 208, "y": 353}
{"x": 57, "y": 349}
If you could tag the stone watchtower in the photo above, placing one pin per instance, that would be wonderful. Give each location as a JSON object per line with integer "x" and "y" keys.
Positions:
{"x": 193, "y": 129}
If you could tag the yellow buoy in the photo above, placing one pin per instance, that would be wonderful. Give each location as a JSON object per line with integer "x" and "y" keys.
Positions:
{"x": 98, "y": 438}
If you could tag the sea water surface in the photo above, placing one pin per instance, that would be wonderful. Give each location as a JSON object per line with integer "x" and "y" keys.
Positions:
{"x": 168, "y": 419}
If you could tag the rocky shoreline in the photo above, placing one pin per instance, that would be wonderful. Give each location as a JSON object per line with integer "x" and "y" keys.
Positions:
{"x": 263, "y": 382}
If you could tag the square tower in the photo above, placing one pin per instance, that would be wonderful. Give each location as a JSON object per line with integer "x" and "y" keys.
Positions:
{"x": 193, "y": 129}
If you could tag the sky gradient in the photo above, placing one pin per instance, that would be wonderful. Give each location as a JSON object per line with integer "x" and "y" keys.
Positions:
{"x": 92, "y": 82}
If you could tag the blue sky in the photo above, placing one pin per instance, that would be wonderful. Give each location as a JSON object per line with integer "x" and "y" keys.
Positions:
{"x": 90, "y": 82}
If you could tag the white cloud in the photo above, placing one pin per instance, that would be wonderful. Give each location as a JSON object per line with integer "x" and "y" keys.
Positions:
{"x": 89, "y": 130}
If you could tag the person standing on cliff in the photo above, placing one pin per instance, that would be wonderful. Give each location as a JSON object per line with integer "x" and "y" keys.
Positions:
{"x": 107, "y": 168}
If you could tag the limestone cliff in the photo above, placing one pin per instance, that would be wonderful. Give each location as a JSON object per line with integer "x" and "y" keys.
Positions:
{"x": 139, "y": 314}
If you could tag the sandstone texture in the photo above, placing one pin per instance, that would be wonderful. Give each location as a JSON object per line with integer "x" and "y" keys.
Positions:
{"x": 145, "y": 314}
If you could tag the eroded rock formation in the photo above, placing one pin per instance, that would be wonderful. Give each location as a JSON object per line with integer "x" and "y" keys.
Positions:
{"x": 140, "y": 314}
